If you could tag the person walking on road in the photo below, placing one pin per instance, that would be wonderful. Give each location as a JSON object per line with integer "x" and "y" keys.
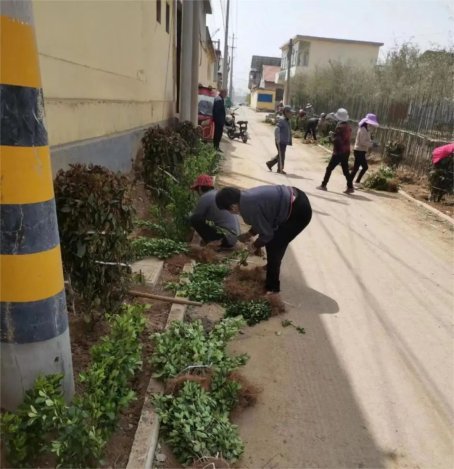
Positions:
{"x": 277, "y": 214}
{"x": 363, "y": 144}
{"x": 312, "y": 125}
{"x": 341, "y": 151}
{"x": 283, "y": 138}
{"x": 219, "y": 118}
{"x": 211, "y": 223}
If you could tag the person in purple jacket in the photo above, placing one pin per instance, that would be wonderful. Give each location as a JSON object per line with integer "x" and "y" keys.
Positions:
{"x": 277, "y": 214}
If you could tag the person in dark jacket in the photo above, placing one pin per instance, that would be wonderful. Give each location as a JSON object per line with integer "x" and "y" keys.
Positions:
{"x": 341, "y": 151}
{"x": 312, "y": 125}
{"x": 283, "y": 138}
{"x": 219, "y": 118}
{"x": 277, "y": 214}
{"x": 211, "y": 223}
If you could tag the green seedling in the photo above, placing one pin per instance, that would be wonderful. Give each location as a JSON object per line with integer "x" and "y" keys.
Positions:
{"x": 287, "y": 323}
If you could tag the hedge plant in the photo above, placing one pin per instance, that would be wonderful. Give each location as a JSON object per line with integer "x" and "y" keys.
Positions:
{"x": 77, "y": 433}
{"x": 95, "y": 217}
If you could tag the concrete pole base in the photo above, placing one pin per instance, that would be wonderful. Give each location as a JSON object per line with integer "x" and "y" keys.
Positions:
{"x": 21, "y": 364}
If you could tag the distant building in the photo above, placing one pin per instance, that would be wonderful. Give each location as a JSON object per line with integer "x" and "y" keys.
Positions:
{"x": 310, "y": 52}
{"x": 257, "y": 63}
{"x": 265, "y": 92}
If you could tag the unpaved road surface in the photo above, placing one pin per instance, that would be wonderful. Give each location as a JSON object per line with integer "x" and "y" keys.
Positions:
{"x": 371, "y": 383}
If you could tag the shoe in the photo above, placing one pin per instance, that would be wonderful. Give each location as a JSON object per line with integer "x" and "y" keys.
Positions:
{"x": 349, "y": 190}
{"x": 358, "y": 185}
{"x": 281, "y": 172}
{"x": 270, "y": 166}
{"x": 321, "y": 188}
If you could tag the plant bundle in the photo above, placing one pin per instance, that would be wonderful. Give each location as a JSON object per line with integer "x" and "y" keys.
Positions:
{"x": 383, "y": 180}
{"x": 95, "y": 217}
{"x": 159, "y": 247}
{"x": 204, "y": 283}
{"x": 253, "y": 311}
{"x": 195, "y": 416}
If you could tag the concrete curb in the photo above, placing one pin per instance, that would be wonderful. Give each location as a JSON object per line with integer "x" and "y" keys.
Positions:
{"x": 147, "y": 433}
{"x": 427, "y": 207}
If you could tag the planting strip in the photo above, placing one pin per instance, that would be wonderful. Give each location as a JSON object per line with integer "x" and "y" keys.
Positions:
{"x": 428, "y": 207}
{"x": 147, "y": 433}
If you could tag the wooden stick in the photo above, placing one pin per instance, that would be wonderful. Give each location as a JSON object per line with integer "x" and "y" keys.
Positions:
{"x": 168, "y": 299}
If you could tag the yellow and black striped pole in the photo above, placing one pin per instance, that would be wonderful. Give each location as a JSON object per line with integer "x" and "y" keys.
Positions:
{"x": 34, "y": 321}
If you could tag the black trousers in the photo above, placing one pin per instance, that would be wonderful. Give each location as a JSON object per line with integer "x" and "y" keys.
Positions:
{"x": 336, "y": 159}
{"x": 300, "y": 217}
{"x": 281, "y": 147}
{"x": 206, "y": 232}
{"x": 218, "y": 128}
{"x": 311, "y": 129}
{"x": 360, "y": 162}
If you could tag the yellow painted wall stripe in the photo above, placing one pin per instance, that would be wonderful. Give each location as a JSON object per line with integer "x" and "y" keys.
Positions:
{"x": 31, "y": 277}
{"x": 25, "y": 175}
{"x": 19, "y": 55}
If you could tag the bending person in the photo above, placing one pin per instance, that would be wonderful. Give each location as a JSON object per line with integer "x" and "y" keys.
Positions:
{"x": 277, "y": 214}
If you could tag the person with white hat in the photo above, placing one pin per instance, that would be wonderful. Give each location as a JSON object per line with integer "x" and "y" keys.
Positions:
{"x": 341, "y": 151}
{"x": 363, "y": 144}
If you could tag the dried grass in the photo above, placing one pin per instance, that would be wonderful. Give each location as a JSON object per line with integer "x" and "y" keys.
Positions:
{"x": 248, "y": 285}
{"x": 173, "y": 385}
{"x": 248, "y": 393}
{"x": 210, "y": 463}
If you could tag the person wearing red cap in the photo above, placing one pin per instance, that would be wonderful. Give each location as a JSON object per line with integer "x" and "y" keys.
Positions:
{"x": 211, "y": 223}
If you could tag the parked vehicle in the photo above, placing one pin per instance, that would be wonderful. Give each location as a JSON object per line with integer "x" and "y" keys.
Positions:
{"x": 205, "y": 114}
{"x": 236, "y": 129}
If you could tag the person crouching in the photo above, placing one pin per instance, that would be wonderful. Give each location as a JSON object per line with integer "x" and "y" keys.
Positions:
{"x": 211, "y": 223}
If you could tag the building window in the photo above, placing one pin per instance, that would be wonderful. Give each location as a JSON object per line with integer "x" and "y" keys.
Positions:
{"x": 167, "y": 17}
{"x": 158, "y": 11}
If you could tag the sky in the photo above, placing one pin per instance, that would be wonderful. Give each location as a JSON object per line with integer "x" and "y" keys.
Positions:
{"x": 261, "y": 27}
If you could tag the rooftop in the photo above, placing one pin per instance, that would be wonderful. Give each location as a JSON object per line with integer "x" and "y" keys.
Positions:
{"x": 332, "y": 39}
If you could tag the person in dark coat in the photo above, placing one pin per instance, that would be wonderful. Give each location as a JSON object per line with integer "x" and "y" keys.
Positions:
{"x": 312, "y": 125}
{"x": 277, "y": 214}
{"x": 219, "y": 118}
{"x": 341, "y": 151}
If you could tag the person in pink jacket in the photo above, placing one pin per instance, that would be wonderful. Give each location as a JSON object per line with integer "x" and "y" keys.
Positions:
{"x": 363, "y": 143}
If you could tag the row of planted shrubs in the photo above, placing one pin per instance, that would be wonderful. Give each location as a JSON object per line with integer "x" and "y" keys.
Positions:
{"x": 76, "y": 433}
{"x": 96, "y": 219}
{"x": 96, "y": 216}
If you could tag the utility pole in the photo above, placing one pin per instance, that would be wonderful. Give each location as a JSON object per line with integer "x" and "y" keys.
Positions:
{"x": 226, "y": 49}
{"x": 231, "y": 69}
{"x": 34, "y": 336}
{"x": 195, "y": 60}
{"x": 186, "y": 62}
{"x": 287, "y": 82}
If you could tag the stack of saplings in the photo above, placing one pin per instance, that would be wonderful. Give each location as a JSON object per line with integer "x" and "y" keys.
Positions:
{"x": 95, "y": 217}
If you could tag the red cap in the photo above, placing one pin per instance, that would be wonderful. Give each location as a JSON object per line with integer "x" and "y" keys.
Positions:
{"x": 203, "y": 180}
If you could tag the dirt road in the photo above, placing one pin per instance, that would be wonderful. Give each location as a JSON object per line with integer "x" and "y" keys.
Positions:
{"x": 371, "y": 384}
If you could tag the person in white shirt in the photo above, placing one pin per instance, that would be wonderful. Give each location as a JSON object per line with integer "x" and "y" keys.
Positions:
{"x": 363, "y": 143}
